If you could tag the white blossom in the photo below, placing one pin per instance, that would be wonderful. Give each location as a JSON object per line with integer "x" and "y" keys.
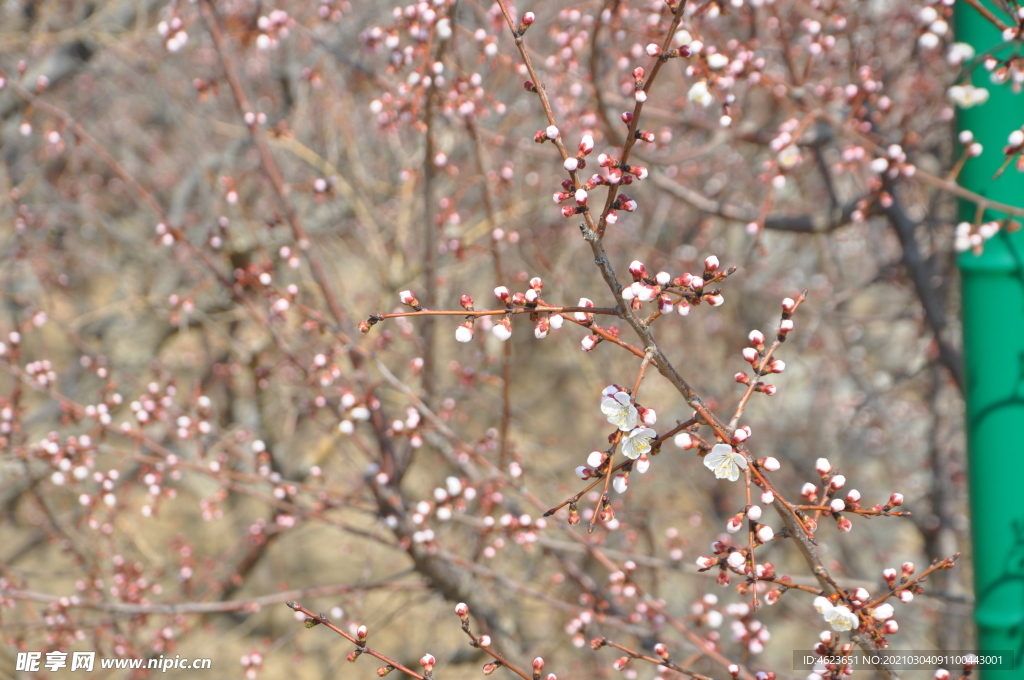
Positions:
{"x": 725, "y": 462}
{"x": 620, "y": 411}
{"x": 638, "y": 442}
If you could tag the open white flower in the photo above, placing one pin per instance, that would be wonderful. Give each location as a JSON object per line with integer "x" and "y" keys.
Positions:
{"x": 700, "y": 94}
{"x": 725, "y": 462}
{"x": 620, "y": 411}
{"x": 638, "y": 442}
{"x": 841, "y": 618}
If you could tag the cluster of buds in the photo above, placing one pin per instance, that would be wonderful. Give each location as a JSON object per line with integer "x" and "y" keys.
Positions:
{"x": 655, "y": 50}
{"x": 618, "y": 172}
{"x": 578, "y": 162}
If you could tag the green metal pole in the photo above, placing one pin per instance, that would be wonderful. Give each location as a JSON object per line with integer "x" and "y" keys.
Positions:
{"x": 993, "y": 327}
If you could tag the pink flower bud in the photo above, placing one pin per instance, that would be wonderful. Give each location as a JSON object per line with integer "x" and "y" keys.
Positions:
{"x": 683, "y": 308}
{"x": 621, "y": 662}
{"x": 908, "y": 568}
{"x": 627, "y": 117}
{"x": 751, "y": 355}
{"x": 788, "y": 305}
{"x": 771, "y": 464}
{"x": 560, "y": 196}
{"x": 519, "y": 299}
{"x": 739, "y": 436}
{"x": 906, "y": 596}
{"x": 408, "y": 298}
{"x": 844, "y": 525}
{"x": 716, "y": 300}
{"x": 822, "y": 466}
{"x": 588, "y": 343}
{"x": 645, "y": 136}
{"x": 571, "y": 164}
{"x": 551, "y": 132}
{"x": 890, "y": 627}
{"x": 642, "y": 464}
{"x": 896, "y": 499}
{"x": 464, "y": 333}
{"x": 467, "y": 302}
{"x": 626, "y": 203}
{"x": 638, "y": 73}
{"x": 754, "y": 512}
{"x": 427, "y": 661}
{"x": 540, "y": 331}
{"x": 742, "y": 378}
{"x": 837, "y": 505}
{"x": 664, "y": 304}
{"x": 704, "y": 562}
{"x": 785, "y": 326}
{"x": 777, "y": 366}
{"x": 528, "y": 18}
{"x": 734, "y": 524}
{"x": 531, "y": 296}
{"x": 767, "y": 497}
{"x": 648, "y": 416}
{"x": 756, "y": 338}
{"x": 639, "y": 171}
{"x": 586, "y": 145}
{"x": 538, "y": 664}
{"x": 484, "y": 641}
{"x": 620, "y": 483}
{"x": 852, "y": 496}
{"x": 765, "y": 533}
{"x": 661, "y": 650}
{"x": 568, "y": 211}
{"x": 809, "y": 491}
{"x": 581, "y": 196}
{"x": 711, "y": 264}
{"x": 638, "y": 270}
{"x": 361, "y": 633}
{"x": 770, "y": 390}
{"x": 605, "y": 161}
{"x": 583, "y": 472}
{"x": 501, "y": 292}
{"x": 837, "y": 482}
{"x": 942, "y": 674}
{"x": 462, "y": 610}
{"x": 736, "y": 559}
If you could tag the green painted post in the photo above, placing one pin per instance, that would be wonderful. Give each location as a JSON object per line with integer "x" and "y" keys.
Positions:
{"x": 993, "y": 327}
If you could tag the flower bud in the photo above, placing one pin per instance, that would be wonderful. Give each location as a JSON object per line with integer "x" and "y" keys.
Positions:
{"x": 586, "y": 145}
{"x": 777, "y": 366}
{"x": 484, "y": 641}
{"x": 837, "y": 505}
{"x": 529, "y": 18}
{"x": 467, "y": 302}
{"x": 734, "y": 524}
{"x": 638, "y": 270}
{"x": 464, "y": 333}
{"x": 684, "y": 441}
{"x": 551, "y": 132}
{"x": 642, "y": 464}
{"x": 661, "y": 650}
{"x": 408, "y": 298}
{"x": 754, "y": 512}
{"x": 882, "y": 612}
{"x": 751, "y": 355}
{"x": 736, "y": 559}
{"x": 896, "y": 499}
{"x": 711, "y": 264}
{"x": 767, "y": 497}
{"x": 502, "y": 330}
{"x": 540, "y": 331}
{"x": 844, "y": 525}
{"x": 462, "y": 610}
{"x": 906, "y": 597}
{"x": 742, "y": 378}
{"x": 756, "y": 338}
{"x": 765, "y": 533}
{"x": 620, "y": 483}
{"x": 501, "y": 292}
{"x": 890, "y": 627}
{"x": 822, "y": 466}
{"x": 583, "y": 472}
{"x": 908, "y": 568}
{"x": 427, "y": 661}
{"x": 704, "y": 562}
{"x": 771, "y": 464}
